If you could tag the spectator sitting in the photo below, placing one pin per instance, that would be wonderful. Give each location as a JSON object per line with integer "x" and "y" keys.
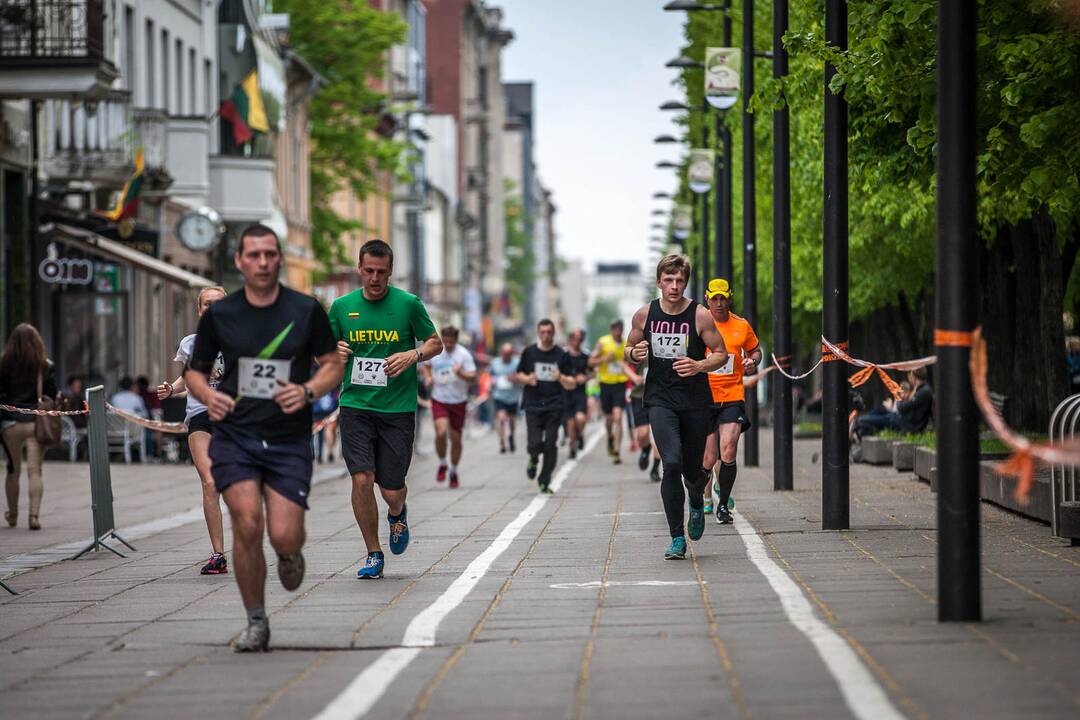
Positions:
{"x": 73, "y": 399}
{"x": 910, "y": 415}
{"x": 128, "y": 400}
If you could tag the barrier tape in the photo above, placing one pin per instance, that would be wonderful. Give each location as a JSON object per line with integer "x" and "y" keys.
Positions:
{"x": 46, "y": 413}
{"x": 868, "y": 368}
{"x": 331, "y": 418}
{"x": 953, "y": 338}
{"x": 780, "y": 369}
{"x": 169, "y": 427}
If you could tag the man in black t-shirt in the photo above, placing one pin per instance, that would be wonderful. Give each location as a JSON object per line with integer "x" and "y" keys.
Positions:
{"x": 575, "y": 402}
{"x": 545, "y": 371}
{"x": 260, "y": 447}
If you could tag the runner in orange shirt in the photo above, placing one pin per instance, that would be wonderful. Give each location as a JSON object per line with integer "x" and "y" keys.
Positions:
{"x": 726, "y": 385}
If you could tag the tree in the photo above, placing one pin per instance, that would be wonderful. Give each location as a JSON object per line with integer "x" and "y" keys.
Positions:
{"x": 346, "y": 41}
{"x": 599, "y": 319}
{"x": 519, "y": 248}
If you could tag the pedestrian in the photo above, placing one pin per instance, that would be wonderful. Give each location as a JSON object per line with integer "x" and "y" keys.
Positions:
{"x": 377, "y": 328}
{"x": 607, "y": 356}
{"x": 27, "y": 375}
{"x": 728, "y": 396}
{"x": 545, "y": 370}
{"x": 260, "y": 445}
{"x": 575, "y": 401}
{"x": 74, "y": 398}
{"x": 506, "y": 394}
{"x": 674, "y": 333}
{"x": 449, "y": 375}
{"x": 151, "y": 438}
{"x": 323, "y": 408}
{"x": 910, "y": 414}
{"x": 197, "y": 422}
{"x": 128, "y": 399}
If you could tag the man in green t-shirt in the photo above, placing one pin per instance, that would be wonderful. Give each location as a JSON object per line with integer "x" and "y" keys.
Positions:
{"x": 378, "y": 328}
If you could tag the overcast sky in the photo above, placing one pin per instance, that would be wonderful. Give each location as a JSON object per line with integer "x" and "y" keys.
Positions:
{"x": 598, "y": 66}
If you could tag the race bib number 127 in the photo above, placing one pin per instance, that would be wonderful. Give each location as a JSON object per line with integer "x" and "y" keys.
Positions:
{"x": 369, "y": 371}
{"x": 259, "y": 378}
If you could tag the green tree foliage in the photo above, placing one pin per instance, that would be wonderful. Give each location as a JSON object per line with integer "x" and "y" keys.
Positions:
{"x": 599, "y": 319}
{"x": 519, "y": 248}
{"x": 346, "y": 41}
{"x": 1028, "y": 164}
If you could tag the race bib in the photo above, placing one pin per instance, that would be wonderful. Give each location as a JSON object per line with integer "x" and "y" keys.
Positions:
{"x": 217, "y": 372}
{"x": 614, "y": 368}
{"x": 259, "y": 378}
{"x": 369, "y": 371}
{"x": 668, "y": 345}
{"x": 546, "y": 372}
{"x": 503, "y": 383}
{"x": 727, "y": 368}
{"x": 444, "y": 375}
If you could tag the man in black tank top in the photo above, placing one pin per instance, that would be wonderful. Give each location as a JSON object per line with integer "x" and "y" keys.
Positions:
{"x": 674, "y": 333}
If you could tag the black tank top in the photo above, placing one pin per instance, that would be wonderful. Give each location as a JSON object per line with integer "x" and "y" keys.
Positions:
{"x": 671, "y": 337}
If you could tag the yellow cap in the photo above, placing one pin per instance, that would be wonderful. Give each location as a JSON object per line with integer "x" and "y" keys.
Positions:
{"x": 718, "y": 286}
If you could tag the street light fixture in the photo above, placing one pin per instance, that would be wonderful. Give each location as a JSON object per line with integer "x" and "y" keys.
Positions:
{"x": 666, "y": 165}
{"x": 662, "y": 196}
{"x": 658, "y": 211}
{"x": 684, "y": 62}
{"x": 665, "y": 139}
{"x": 674, "y": 105}
{"x": 658, "y": 226}
{"x": 690, "y": 6}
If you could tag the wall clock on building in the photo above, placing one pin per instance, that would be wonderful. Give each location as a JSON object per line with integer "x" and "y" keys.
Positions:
{"x": 201, "y": 230}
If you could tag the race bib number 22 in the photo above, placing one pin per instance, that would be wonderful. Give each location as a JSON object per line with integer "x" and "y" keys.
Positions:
{"x": 259, "y": 377}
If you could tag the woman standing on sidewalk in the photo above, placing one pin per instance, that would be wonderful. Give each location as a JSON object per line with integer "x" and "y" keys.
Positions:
{"x": 26, "y": 375}
{"x": 198, "y": 425}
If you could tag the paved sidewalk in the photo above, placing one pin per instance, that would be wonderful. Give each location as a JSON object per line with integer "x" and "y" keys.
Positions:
{"x": 568, "y": 612}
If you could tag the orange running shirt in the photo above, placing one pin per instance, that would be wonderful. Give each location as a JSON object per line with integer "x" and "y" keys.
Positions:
{"x": 726, "y": 381}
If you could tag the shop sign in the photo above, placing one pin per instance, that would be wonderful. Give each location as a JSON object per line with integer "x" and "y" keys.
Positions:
{"x": 66, "y": 271}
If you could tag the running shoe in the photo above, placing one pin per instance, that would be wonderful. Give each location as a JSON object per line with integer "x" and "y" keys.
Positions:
{"x": 373, "y": 567}
{"x": 216, "y": 565}
{"x": 616, "y": 459}
{"x": 502, "y": 449}
{"x": 643, "y": 458}
{"x": 399, "y": 528}
{"x": 654, "y": 474}
{"x": 723, "y": 516}
{"x": 695, "y": 527}
{"x": 573, "y": 451}
{"x": 512, "y": 446}
{"x": 546, "y": 489}
{"x": 581, "y": 443}
{"x": 677, "y": 549}
{"x": 530, "y": 469}
{"x": 254, "y": 638}
{"x": 454, "y": 481}
{"x": 708, "y": 504}
{"x": 290, "y": 570}
{"x": 441, "y": 474}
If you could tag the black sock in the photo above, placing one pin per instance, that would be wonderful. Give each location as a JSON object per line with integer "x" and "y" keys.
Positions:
{"x": 376, "y": 553}
{"x": 655, "y": 463}
{"x": 726, "y": 481}
{"x": 256, "y": 614}
{"x": 396, "y": 518}
{"x": 695, "y": 490}
{"x": 646, "y": 449}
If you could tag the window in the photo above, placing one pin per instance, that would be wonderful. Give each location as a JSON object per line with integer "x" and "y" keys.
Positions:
{"x": 166, "y": 97}
{"x": 192, "y": 91}
{"x": 129, "y": 49}
{"x": 179, "y": 76}
{"x": 208, "y": 88}
{"x": 150, "y": 65}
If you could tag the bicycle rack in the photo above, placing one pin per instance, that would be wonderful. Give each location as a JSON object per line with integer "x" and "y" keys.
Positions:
{"x": 1064, "y": 485}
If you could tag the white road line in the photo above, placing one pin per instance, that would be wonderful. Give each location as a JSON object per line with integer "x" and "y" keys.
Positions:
{"x": 368, "y": 687}
{"x": 624, "y": 583}
{"x": 49, "y": 555}
{"x": 865, "y": 698}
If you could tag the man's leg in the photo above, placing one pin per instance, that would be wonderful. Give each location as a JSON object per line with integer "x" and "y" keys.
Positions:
{"x": 534, "y": 440}
{"x": 284, "y": 523}
{"x": 616, "y": 429}
{"x": 442, "y": 427}
{"x": 729, "y": 453}
{"x": 455, "y": 448}
{"x": 696, "y": 426}
{"x": 199, "y": 446}
{"x": 666, "y": 433}
{"x": 501, "y": 420}
{"x": 365, "y": 509}
{"x": 549, "y": 428}
{"x": 245, "y": 502}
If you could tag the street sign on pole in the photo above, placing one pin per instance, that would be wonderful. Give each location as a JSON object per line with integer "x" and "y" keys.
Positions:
{"x": 699, "y": 170}
{"x": 722, "y": 67}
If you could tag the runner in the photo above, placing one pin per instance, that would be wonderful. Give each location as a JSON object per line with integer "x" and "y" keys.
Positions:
{"x": 507, "y": 394}
{"x": 198, "y": 437}
{"x": 377, "y": 328}
{"x": 607, "y": 356}
{"x": 575, "y": 402}
{"x": 449, "y": 374}
{"x": 728, "y": 395}
{"x": 545, "y": 370}
{"x": 674, "y": 334}
{"x": 639, "y": 420}
{"x": 260, "y": 446}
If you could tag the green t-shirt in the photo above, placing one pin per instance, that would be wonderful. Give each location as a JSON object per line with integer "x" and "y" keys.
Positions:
{"x": 378, "y": 330}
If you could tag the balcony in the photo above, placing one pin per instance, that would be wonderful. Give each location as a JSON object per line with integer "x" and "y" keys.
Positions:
{"x": 188, "y": 153}
{"x": 242, "y": 189}
{"x": 89, "y": 141}
{"x": 55, "y": 49}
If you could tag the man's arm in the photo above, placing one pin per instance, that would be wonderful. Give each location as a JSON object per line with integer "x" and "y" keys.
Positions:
{"x": 595, "y": 359}
{"x": 713, "y": 339}
{"x": 400, "y": 362}
{"x": 636, "y": 350}
{"x": 468, "y": 375}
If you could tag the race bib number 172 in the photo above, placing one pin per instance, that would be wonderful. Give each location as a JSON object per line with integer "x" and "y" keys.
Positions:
{"x": 669, "y": 345}
{"x": 259, "y": 377}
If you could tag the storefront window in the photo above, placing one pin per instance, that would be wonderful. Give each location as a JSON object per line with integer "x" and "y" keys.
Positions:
{"x": 91, "y": 327}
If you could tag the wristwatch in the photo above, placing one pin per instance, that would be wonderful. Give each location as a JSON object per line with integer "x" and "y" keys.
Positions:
{"x": 419, "y": 355}
{"x": 309, "y": 395}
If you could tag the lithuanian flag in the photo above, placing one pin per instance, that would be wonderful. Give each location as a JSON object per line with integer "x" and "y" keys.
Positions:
{"x": 245, "y": 110}
{"x": 129, "y": 196}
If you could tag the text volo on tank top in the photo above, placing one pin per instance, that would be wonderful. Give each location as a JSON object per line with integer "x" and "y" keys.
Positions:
{"x": 671, "y": 338}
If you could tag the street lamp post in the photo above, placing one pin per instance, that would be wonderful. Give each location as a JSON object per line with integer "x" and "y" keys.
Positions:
{"x": 750, "y": 445}
{"x": 725, "y": 267}
{"x": 835, "y": 509}
{"x": 956, "y": 291}
{"x": 783, "y": 446}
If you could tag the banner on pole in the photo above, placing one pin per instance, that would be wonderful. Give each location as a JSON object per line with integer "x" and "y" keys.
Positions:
{"x": 723, "y": 68}
{"x": 682, "y": 222}
{"x": 699, "y": 171}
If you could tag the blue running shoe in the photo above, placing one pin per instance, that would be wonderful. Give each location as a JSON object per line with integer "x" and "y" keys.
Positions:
{"x": 695, "y": 527}
{"x": 399, "y": 530}
{"x": 373, "y": 567}
{"x": 677, "y": 549}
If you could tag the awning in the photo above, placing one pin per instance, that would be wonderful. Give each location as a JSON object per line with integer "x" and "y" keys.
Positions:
{"x": 112, "y": 250}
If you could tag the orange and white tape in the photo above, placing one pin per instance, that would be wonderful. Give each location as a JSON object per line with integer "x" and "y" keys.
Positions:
{"x": 45, "y": 413}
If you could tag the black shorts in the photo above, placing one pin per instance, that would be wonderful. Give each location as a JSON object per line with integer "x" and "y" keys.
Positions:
{"x": 731, "y": 412}
{"x": 200, "y": 423}
{"x": 612, "y": 395}
{"x": 575, "y": 401}
{"x": 378, "y": 442}
{"x": 508, "y": 407}
{"x": 284, "y": 466}
{"x": 639, "y": 413}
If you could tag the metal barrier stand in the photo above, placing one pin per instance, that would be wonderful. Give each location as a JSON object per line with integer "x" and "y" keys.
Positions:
{"x": 101, "y": 497}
